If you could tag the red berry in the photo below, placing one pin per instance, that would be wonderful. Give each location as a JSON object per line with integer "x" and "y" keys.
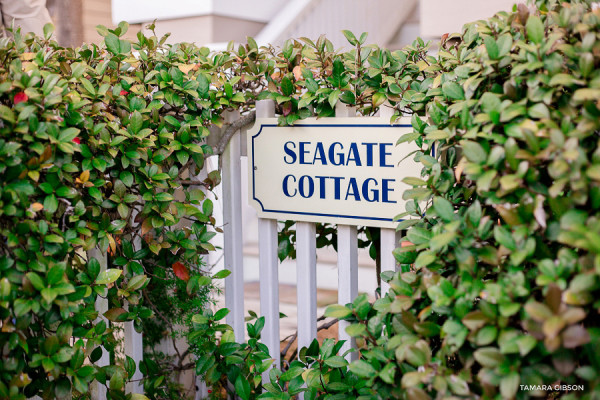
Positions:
{"x": 77, "y": 140}
{"x": 20, "y": 97}
{"x": 124, "y": 92}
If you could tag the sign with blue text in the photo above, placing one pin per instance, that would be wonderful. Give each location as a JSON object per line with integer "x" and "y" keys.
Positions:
{"x": 337, "y": 170}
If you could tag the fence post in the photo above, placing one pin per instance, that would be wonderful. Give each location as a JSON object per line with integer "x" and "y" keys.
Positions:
{"x": 347, "y": 263}
{"x": 389, "y": 237}
{"x": 306, "y": 287}
{"x": 98, "y": 390}
{"x": 232, "y": 232}
{"x": 268, "y": 267}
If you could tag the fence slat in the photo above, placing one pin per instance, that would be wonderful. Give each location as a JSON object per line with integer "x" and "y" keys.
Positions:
{"x": 268, "y": 264}
{"x": 347, "y": 279}
{"x": 347, "y": 260}
{"x": 389, "y": 241}
{"x": 98, "y": 390}
{"x": 389, "y": 237}
{"x": 134, "y": 348}
{"x": 269, "y": 284}
{"x": 306, "y": 270}
{"x": 232, "y": 234}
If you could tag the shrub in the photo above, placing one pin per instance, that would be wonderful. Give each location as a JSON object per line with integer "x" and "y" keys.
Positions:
{"x": 96, "y": 147}
{"x": 500, "y": 286}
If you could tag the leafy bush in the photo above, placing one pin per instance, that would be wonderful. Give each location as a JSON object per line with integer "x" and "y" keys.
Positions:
{"x": 100, "y": 147}
{"x": 96, "y": 148}
{"x": 500, "y": 287}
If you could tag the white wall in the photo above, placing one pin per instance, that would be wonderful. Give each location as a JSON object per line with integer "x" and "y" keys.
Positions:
{"x": 447, "y": 16}
{"x": 135, "y": 11}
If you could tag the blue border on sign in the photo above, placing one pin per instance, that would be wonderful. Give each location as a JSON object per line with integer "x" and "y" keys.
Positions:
{"x": 315, "y": 213}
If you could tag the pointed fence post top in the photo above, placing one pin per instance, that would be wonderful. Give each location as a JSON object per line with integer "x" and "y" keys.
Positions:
{"x": 265, "y": 108}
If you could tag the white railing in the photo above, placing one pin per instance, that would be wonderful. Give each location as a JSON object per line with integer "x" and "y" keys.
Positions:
{"x": 306, "y": 256}
{"x": 312, "y": 18}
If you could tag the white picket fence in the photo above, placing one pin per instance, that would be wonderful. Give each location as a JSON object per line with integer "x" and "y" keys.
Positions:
{"x": 232, "y": 202}
{"x": 347, "y": 253}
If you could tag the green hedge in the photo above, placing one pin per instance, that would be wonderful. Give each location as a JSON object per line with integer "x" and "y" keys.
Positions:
{"x": 99, "y": 147}
{"x": 498, "y": 290}
{"x": 94, "y": 146}
{"x": 501, "y": 286}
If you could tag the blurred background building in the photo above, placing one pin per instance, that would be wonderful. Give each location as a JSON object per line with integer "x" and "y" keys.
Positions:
{"x": 390, "y": 23}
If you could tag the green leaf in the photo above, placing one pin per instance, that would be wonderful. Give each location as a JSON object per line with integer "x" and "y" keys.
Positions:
{"x": 112, "y": 43}
{"x": 363, "y": 369}
{"x": 443, "y": 208}
{"x": 108, "y": 276}
{"x": 48, "y": 30}
{"x": 21, "y": 307}
{"x": 503, "y": 236}
{"x": 474, "y": 151}
{"x": 220, "y": 314}
{"x": 123, "y": 210}
{"x": 492, "y": 47}
{"x": 355, "y": 329}
{"x": 54, "y": 238}
{"x": 62, "y": 390}
{"x": 453, "y": 91}
{"x": 36, "y": 280}
{"x": 489, "y": 357}
{"x": 509, "y": 385}
{"x": 586, "y": 94}
{"x": 88, "y": 86}
{"x": 535, "y": 29}
{"x": 137, "y": 396}
{"x": 336, "y": 362}
{"x": 437, "y": 135}
{"x": 287, "y": 87}
{"x": 116, "y": 381}
{"x": 199, "y": 319}
{"x": 441, "y": 240}
{"x": 337, "y": 311}
{"x": 378, "y": 99}
{"x": 350, "y": 37}
{"x": 136, "y": 122}
{"x": 505, "y": 42}
{"x": 333, "y": 97}
{"x": 418, "y": 235}
{"x": 163, "y": 196}
{"x": 222, "y": 274}
{"x": 137, "y": 282}
{"x": 424, "y": 259}
{"x": 7, "y": 114}
{"x": 242, "y": 387}
{"x": 50, "y": 204}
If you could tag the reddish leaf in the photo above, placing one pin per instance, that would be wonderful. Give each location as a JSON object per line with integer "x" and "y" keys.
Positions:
{"x": 287, "y": 108}
{"x": 181, "y": 271}
{"x": 124, "y": 93}
{"x": 575, "y": 336}
{"x": 114, "y": 314}
{"x": 20, "y": 97}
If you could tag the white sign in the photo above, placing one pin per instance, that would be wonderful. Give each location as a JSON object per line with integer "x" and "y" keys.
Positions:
{"x": 337, "y": 170}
